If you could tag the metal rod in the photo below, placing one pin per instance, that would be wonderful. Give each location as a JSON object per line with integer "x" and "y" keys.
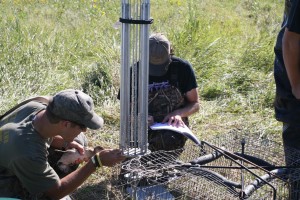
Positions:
{"x": 258, "y": 167}
{"x": 227, "y": 153}
{"x": 243, "y": 142}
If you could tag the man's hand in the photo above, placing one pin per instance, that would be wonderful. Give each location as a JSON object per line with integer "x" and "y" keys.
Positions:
{"x": 192, "y": 105}
{"x": 110, "y": 157}
{"x": 59, "y": 143}
{"x": 75, "y": 145}
{"x": 174, "y": 120}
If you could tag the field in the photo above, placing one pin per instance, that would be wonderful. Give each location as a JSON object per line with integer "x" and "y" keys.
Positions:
{"x": 48, "y": 45}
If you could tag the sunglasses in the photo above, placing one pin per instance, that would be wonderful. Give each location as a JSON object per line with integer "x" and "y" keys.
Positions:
{"x": 81, "y": 126}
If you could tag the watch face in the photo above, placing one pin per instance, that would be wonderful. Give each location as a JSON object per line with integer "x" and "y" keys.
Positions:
{"x": 94, "y": 161}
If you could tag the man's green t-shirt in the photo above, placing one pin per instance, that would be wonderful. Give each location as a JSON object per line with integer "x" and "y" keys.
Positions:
{"x": 23, "y": 152}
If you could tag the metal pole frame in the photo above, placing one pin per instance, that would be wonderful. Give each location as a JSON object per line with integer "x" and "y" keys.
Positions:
{"x": 134, "y": 77}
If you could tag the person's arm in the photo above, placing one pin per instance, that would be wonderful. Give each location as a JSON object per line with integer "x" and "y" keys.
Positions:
{"x": 108, "y": 157}
{"x": 192, "y": 106}
{"x": 291, "y": 56}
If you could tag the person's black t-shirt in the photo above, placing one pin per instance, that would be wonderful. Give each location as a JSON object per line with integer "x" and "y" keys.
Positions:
{"x": 180, "y": 74}
{"x": 293, "y": 23}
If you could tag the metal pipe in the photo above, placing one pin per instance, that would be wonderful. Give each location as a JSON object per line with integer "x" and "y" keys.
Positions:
{"x": 134, "y": 76}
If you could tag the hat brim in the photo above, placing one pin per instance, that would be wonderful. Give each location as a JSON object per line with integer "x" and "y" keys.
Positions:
{"x": 95, "y": 123}
{"x": 158, "y": 70}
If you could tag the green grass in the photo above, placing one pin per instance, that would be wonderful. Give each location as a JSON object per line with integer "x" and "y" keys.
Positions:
{"x": 48, "y": 45}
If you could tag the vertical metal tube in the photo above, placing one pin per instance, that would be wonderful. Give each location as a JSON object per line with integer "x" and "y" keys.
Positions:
{"x": 125, "y": 78}
{"x": 134, "y": 77}
{"x": 143, "y": 76}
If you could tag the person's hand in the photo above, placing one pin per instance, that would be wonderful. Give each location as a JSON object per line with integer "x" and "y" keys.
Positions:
{"x": 88, "y": 153}
{"x": 174, "y": 120}
{"x": 75, "y": 145}
{"x": 150, "y": 120}
{"x": 97, "y": 149}
{"x": 296, "y": 91}
{"x": 110, "y": 157}
{"x": 72, "y": 156}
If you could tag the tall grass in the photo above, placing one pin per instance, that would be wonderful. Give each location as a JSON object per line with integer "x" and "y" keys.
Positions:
{"x": 50, "y": 45}
{"x": 47, "y": 46}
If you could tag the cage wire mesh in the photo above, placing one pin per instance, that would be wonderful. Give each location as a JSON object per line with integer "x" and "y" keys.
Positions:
{"x": 230, "y": 166}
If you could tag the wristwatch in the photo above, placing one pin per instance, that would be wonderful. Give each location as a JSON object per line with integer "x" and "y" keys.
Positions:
{"x": 96, "y": 161}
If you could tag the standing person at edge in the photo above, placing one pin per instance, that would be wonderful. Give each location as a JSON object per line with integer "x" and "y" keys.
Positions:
{"x": 27, "y": 132}
{"x": 173, "y": 94}
{"x": 287, "y": 79}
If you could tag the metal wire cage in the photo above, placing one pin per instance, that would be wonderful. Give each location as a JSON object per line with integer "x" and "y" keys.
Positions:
{"x": 232, "y": 166}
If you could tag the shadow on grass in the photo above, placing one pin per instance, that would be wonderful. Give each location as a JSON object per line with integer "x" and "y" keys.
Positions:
{"x": 94, "y": 191}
